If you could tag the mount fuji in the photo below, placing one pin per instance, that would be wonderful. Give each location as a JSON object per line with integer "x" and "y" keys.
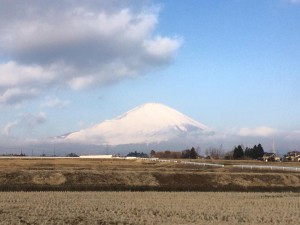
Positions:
{"x": 145, "y": 124}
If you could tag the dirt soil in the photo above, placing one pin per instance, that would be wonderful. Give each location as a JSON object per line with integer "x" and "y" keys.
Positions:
{"x": 137, "y": 175}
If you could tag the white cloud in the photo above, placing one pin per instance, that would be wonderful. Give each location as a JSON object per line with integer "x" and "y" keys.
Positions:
{"x": 16, "y": 95}
{"x": 162, "y": 47}
{"x": 79, "y": 44}
{"x": 54, "y": 102}
{"x": 13, "y": 74}
{"x": 79, "y": 83}
{"x": 257, "y": 131}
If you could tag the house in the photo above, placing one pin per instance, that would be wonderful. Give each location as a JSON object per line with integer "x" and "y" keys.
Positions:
{"x": 270, "y": 157}
{"x": 293, "y": 156}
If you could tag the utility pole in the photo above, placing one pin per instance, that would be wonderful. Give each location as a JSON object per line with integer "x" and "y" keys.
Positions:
{"x": 273, "y": 146}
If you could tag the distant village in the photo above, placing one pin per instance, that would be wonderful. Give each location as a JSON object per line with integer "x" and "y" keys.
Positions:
{"x": 238, "y": 153}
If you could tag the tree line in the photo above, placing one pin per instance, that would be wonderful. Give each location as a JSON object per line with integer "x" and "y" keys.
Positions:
{"x": 239, "y": 152}
{"x": 185, "y": 154}
{"x": 257, "y": 152}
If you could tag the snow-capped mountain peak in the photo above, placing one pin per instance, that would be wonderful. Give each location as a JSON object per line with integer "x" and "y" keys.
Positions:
{"x": 147, "y": 123}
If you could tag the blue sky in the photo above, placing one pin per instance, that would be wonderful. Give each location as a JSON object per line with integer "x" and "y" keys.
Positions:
{"x": 232, "y": 65}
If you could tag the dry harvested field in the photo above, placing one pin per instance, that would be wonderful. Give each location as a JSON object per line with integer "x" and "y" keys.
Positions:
{"x": 149, "y": 208}
{"x": 76, "y": 174}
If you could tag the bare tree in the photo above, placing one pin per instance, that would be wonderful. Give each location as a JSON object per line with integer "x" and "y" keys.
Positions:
{"x": 198, "y": 150}
{"x": 215, "y": 153}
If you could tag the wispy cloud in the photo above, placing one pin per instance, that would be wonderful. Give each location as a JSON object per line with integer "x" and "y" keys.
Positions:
{"x": 24, "y": 121}
{"x": 257, "y": 131}
{"x": 79, "y": 44}
{"x": 8, "y": 128}
{"x": 294, "y": 1}
{"x": 54, "y": 102}
{"x": 16, "y": 95}
{"x": 293, "y": 135}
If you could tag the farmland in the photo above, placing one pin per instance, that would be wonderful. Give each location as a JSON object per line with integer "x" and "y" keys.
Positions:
{"x": 149, "y": 208}
{"x": 99, "y": 191}
{"x": 137, "y": 175}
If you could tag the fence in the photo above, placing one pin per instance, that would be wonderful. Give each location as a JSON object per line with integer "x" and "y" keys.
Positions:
{"x": 202, "y": 164}
{"x": 281, "y": 168}
{"x": 183, "y": 162}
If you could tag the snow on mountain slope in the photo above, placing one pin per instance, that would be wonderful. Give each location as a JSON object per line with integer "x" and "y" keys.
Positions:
{"x": 148, "y": 123}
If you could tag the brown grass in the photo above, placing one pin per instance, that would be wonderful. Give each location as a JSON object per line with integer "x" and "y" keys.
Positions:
{"x": 149, "y": 208}
{"x": 115, "y": 174}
